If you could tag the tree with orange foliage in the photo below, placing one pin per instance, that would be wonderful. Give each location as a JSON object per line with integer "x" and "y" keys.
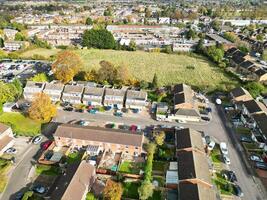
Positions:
{"x": 42, "y": 108}
{"x": 66, "y": 66}
{"x": 112, "y": 190}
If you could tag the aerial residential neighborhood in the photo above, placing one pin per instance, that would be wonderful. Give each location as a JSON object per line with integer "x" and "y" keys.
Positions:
{"x": 127, "y": 99}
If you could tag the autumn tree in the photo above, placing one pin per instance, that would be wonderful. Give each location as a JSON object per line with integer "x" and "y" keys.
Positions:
{"x": 123, "y": 75}
{"x": 66, "y": 66}
{"x": 112, "y": 190}
{"x": 159, "y": 138}
{"x": 42, "y": 108}
{"x": 41, "y": 77}
{"x": 107, "y": 72}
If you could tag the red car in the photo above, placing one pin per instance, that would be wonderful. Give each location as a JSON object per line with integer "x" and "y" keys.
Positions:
{"x": 133, "y": 128}
{"x": 46, "y": 144}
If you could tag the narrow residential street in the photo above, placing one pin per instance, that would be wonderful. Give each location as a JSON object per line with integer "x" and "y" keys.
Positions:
{"x": 18, "y": 179}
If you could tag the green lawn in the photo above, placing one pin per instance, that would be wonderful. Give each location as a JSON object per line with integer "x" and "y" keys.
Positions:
{"x": 170, "y": 68}
{"x": 250, "y": 146}
{"x": 20, "y": 124}
{"x": 47, "y": 170}
{"x": 4, "y": 166}
{"x": 131, "y": 167}
{"x": 160, "y": 165}
{"x": 74, "y": 157}
{"x": 243, "y": 130}
{"x": 130, "y": 190}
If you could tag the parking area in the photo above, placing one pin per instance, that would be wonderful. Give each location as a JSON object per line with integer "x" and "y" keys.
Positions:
{"x": 22, "y": 69}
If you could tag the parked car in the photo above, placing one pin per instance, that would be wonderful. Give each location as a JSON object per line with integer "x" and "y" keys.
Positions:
{"x": 224, "y": 148}
{"x": 209, "y": 142}
{"x": 39, "y": 189}
{"x": 261, "y": 165}
{"x": 37, "y": 139}
{"x": 68, "y": 109}
{"x": 246, "y": 139}
{"x": 211, "y": 145}
{"x": 208, "y": 109}
{"x": 237, "y": 190}
{"x": 256, "y": 158}
{"x": 226, "y": 159}
{"x": 133, "y": 128}
{"x": 19, "y": 196}
{"x": 11, "y": 150}
{"x": 117, "y": 114}
{"x": 79, "y": 110}
{"x": 46, "y": 144}
{"x": 83, "y": 123}
{"x": 229, "y": 175}
{"x": 205, "y": 118}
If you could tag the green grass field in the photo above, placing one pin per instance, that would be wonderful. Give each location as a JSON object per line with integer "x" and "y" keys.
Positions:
{"x": 170, "y": 68}
{"x": 46, "y": 53}
{"x": 20, "y": 124}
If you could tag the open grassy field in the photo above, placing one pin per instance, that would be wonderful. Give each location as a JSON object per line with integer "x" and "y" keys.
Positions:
{"x": 20, "y": 124}
{"x": 170, "y": 68}
{"x": 46, "y": 53}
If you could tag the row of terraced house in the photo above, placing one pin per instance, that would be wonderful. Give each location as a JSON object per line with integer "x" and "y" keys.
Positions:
{"x": 88, "y": 94}
{"x": 252, "y": 114}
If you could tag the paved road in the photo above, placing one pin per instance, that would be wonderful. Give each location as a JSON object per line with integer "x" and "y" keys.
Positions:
{"x": 18, "y": 179}
{"x": 252, "y": 188}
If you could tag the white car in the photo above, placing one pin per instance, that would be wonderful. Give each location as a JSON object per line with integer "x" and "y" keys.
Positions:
{"x": 224, "y": 148}
{"x": 11, "y": 150}
{"x": 211, "y": 145}
{"x": 226, "y": 159}
{"x": 37, "y": 139}
{"x": 256, "y": 158}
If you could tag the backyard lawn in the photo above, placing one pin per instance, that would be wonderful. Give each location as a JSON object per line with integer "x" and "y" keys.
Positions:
{"x": 4, "y": 166}
{"x": 170, "y": 68}
{"x": 47, "y": 170}
{"x": 130, "y": 190}
{"x": 243, "y": 130}
{"x": 131, "y": 167}
{"x": 20, "y": 124}
{"x": 160, "y": 165}
{"x": 74, "y": 157}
